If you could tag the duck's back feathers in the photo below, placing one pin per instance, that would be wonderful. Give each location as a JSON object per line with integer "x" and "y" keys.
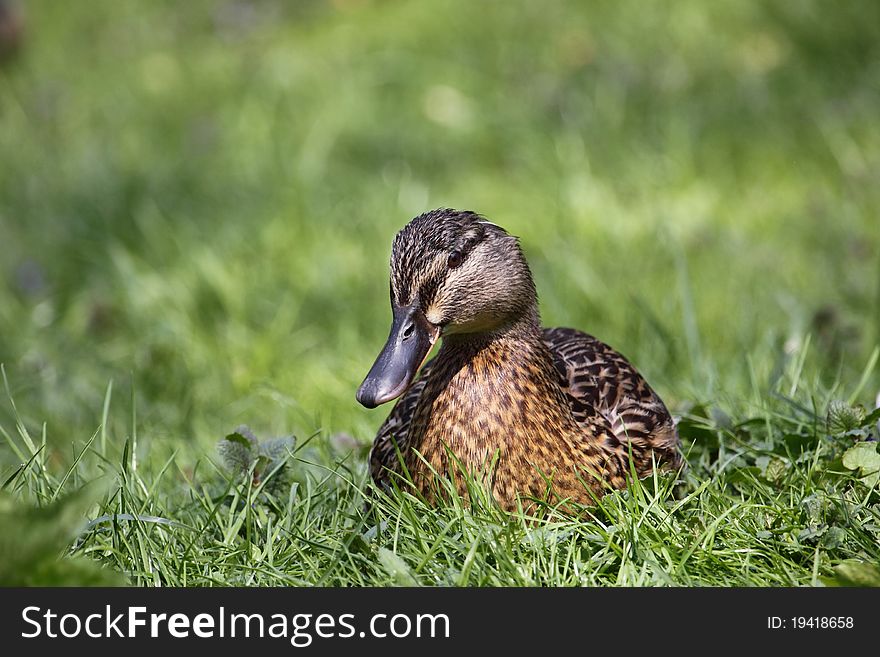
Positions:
{"x": 598, "y": 379}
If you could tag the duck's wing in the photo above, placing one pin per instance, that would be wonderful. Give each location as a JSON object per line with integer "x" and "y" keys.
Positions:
{"x": 393, "y": 435}
{"x": 596, "y": 378}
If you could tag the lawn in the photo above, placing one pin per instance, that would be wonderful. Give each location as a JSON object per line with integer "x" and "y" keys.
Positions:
{"x": 197, "y": 202}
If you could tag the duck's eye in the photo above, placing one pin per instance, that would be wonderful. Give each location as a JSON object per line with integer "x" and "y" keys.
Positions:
{"x": 454, "y": 259}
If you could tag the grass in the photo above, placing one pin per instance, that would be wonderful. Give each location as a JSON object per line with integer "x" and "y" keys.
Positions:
{"x": 196, "y": 223}
{"x": 769, "y": 502}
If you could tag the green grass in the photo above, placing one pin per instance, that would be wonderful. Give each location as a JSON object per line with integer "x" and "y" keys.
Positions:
{"x": 197, "y": 202}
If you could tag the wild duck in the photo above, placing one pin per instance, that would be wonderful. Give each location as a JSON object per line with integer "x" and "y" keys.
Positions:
{"x": 535, "y": 414}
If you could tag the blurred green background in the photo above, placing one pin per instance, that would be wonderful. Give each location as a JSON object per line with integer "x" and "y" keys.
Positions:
{"x": 198, "y": 198}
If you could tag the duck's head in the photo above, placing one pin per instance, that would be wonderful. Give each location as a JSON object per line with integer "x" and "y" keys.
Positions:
{"x": 453, "y": 273}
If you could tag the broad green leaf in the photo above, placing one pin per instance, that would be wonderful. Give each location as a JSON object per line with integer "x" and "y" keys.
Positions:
{"x": 842, "y": 417}
{"x": 33, "y": 554}
{"x": 855, "y": 573}
{"x": 863, "y": 458}
{"x": 396, "y": 568}
{"x": 238, "y": 451}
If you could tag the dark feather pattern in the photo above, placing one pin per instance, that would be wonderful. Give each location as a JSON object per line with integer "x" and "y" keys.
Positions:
{"x": 596, "y": 378}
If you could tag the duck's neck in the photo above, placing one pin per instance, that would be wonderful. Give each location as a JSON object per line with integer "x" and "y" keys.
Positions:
{"x": 485, "y": 390}
{"x": 493, "y": 401}
{"x": 522, "y": 330}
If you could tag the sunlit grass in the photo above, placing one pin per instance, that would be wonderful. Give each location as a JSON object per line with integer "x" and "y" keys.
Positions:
{"x": 766, "y": 501}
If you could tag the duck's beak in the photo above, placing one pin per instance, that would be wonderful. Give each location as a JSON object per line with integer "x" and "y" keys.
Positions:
{"x": 411, "y": 338}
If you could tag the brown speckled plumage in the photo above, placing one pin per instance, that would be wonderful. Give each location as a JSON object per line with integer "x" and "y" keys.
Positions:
{"x": 548, "y": 414}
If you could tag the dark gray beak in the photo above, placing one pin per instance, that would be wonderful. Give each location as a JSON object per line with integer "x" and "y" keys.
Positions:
{"x": 411, "y": 338}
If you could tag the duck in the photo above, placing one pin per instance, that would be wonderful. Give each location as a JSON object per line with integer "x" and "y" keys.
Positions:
{"x": 536, "y": 416}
